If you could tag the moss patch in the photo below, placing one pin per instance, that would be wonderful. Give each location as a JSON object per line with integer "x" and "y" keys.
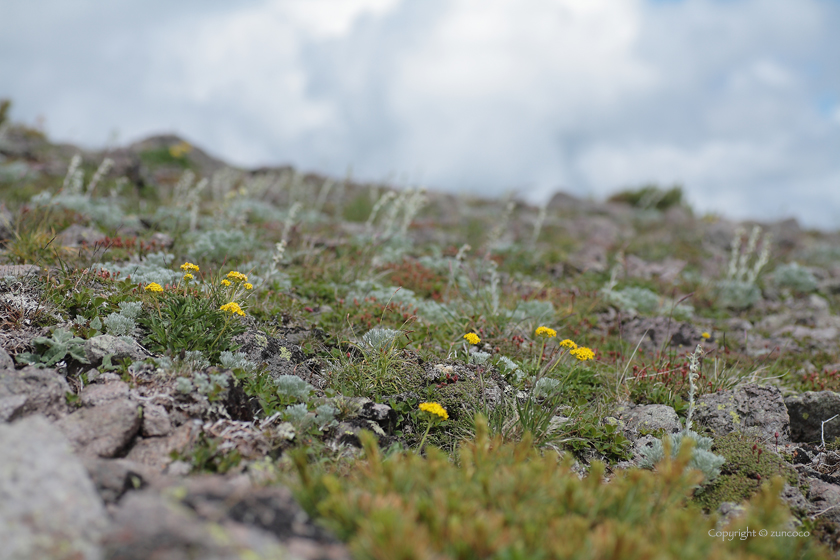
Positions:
{"x": 748, "y": 465}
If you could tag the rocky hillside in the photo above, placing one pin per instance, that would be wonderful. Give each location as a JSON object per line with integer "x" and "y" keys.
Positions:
{"x": 200, "y": 361}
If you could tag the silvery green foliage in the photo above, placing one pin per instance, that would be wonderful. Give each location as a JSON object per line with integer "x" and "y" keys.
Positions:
{"x": 117, "y": 324}
{"x": 239, "y": 360}
{"x": 325, "y": 414}
{"x": 431, "y": 311}
{"x": 153, "y": 268}
{"x": 636, "y": 301}
{"x": 545, "y": 387}
{"x": 738, "y": 289}
{"x": 379, "y": 338}
{"x": 295, "y": 413}
{"x": 293, "y": 386}
{"x": 220, "y": 243}
{"x": 171, "y": 218}
{"x": 737, "y": 294}
{"x": 131, "y": 309}
{"x": 534, "y": 310}
{"x": 794, "y": 277}
{"x": 195, "y": 360}
{"x": 510, "y": 368}
{"x": 183, "y": 385}
{"x": 105, "y": 212}
{"x": 702, "y": 457}
{"x": 479, "y": 358}
{"x": 203, "y": 383}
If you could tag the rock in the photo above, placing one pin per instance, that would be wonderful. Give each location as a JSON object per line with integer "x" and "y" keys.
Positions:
{"x": 147, "y": 525}
{"x": 44, "y": 392}
{"x": 748, "y": 406}
{"x": 657, "y": 333}
{"x": 19, "y": 270}
{"x": 114, "y": 477}
{"x": 382, "y": 414}
{"x": 156, "y": 422}
{"x": 49, "y": 503}
{"x": 103, "y": 430}
{"x": 667, "y": 270}
{"x": 590, "y": 257}
{"x": 824, "y": 497}
{"x": 281, "y": 356}
{"x": 98, "y": 347}
{"x": 271, "y": 509}
{"x": 77, "y": 235}
{"x": 162, "y": 240}
{"x": 6, "y": 361}
{"x": 653, "y": 417}
{"x": 155, "y": 452}
{"x": 101, "y": 393}
{"x": 807, "y": 412}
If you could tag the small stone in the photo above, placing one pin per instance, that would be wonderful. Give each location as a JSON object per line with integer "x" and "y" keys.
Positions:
{"x": 100, "y": 346}
{"x": 748, "y": 406}
{"x": 6, "y": 361}
{"x": 103, "y": 430}
{"x": 156, "y": 422}
{"x": 101, "y": 393}
{"x": 653, "y": 417}
{"x": 44, "y": 390}
{"x": 156, "y": 452}
{"x": 807, "y": 412}
{"x": 48, "y": 501}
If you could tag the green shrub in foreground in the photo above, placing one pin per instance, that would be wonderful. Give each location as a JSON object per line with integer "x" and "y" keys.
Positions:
{"x": 509, "y": 501}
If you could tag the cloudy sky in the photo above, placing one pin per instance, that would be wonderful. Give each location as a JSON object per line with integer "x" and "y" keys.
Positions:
{"x": 738, "y": 100}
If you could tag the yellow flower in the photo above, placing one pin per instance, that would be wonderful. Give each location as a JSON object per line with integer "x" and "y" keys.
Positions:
{"x": 568, "y": 344}
{"x": 180, "y": 149}
{"x": 248, "y": 285}
{"x": 153, "y": 287}
{"x": 434, "y": 408}
{"x": 472, "y": 338}
{"x": 232, "y": 307}
{"x": 583, "y": 353}
{"x": 189, "y": 276}
{"x": 546, "y": 332}
{"x": 237, "y": 276}
{"x": 225, "y": 282}
{"x": 188, "y": 266}
{"x": 706, "y": 335}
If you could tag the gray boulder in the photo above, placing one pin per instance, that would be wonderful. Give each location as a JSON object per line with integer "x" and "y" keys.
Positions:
{"x": 49, "y": 506}
{"x": 652, "y": 417}
{"x": 6, "y": 361}
{"x": 30, "y": 390}
{"x": 100, "y": 346}
{"x": 761, "y": 408}
{"x": 807, "y": 412}
{"x": 103, "y": 430}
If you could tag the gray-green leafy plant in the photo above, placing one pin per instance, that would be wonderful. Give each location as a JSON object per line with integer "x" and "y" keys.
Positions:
{"x": 62, "y": 344}
{"x": 794, "y": 277}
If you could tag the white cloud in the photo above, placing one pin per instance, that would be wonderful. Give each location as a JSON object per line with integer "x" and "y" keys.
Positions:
{"x": 485, "y": 95}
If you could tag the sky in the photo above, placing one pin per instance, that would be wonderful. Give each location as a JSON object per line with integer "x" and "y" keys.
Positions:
{"x": 736, "y": 100}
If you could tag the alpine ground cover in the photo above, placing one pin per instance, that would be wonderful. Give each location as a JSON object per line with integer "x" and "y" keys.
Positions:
{"x": 431, "y": 385}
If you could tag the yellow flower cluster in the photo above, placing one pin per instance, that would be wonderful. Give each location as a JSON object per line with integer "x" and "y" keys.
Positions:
{"x": 153, "y": 287}
{"x": 189, "y": 276}
{"x": 189, "y": 267}
{"x": 248, "y": 286}
{"x": 472, "y": 338}
{"x": 180, "y": 149}
{"x": 546, "y": 332}
{"x": 583, "y": 353}
{"x": 232, "y": 307}
{"x": 434, "y": 408}
{"x": 237, "y": 276}
{"x": 225, "y": 282}
{"x": 706, "y": 335}
{"x": 568, "y": 344}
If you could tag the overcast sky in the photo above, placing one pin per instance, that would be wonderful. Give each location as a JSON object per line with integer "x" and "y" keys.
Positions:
{"x": 738, "y": 100}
